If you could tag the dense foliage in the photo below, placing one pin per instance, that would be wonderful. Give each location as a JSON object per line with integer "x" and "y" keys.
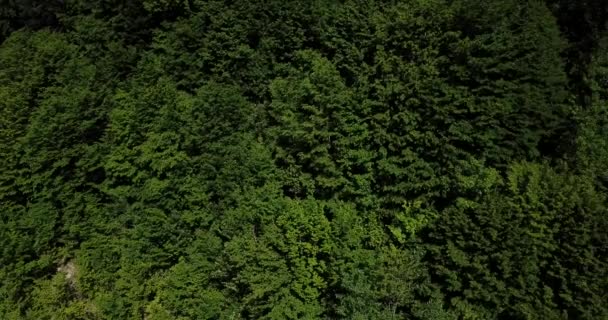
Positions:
{"x": 359, "y": 159}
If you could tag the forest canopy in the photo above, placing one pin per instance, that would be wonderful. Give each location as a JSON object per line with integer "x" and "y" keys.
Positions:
{"x": 356, "y": 159}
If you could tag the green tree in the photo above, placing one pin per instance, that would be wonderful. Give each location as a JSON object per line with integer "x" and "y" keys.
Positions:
{"x": 53, "y": 120}
{"x": 506, "y": 250}
{"x": 319, "y": 132}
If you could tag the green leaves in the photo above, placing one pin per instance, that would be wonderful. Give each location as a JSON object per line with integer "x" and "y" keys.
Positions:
{"x": 301, "y": 160}
{"x": 282, "y": 262}
{"x": 511, "y": 240}
{"x": 317, "y": 128}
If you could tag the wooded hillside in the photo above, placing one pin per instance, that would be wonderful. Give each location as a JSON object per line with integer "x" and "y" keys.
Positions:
{"x": 356, "y": 159}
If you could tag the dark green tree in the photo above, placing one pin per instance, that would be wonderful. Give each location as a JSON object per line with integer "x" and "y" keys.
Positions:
{"x": 507, "y": 250}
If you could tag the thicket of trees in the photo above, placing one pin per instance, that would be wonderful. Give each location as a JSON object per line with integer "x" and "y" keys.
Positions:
{"x": 212, "y": 159}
